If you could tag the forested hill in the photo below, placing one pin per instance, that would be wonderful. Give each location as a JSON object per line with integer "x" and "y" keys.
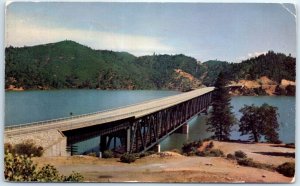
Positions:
{"x": 276, "y": 66}
{"x": 67, "y": 64}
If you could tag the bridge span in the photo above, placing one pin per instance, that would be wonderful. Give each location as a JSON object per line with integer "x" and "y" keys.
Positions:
{"x": 138, "y": 127}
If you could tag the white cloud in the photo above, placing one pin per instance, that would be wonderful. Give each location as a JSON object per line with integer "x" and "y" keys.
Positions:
{"x": 20, "y": 33}
{"x": 255, "y": 54}
{"x": 249, "y": 55}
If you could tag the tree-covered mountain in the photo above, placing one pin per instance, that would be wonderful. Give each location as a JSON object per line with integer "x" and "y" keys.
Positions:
{"x": 276, "y": 66}
{"x": 68, "y": 64}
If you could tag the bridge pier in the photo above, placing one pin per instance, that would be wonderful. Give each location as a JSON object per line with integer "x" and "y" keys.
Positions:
{"x": 184, "y": 129}
{"x": 156, "y": 148}
{"x": 128, "y": 140}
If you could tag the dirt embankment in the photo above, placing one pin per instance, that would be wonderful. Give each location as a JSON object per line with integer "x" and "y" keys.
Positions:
{"x": 184, "y": 81}
{"x": 262, "y": 86}
{"x": 173, "y": 167}
{"x": 13, "y": 88}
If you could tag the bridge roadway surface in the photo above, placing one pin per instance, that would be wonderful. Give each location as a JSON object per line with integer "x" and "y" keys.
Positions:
{"x": 136, "y": 111}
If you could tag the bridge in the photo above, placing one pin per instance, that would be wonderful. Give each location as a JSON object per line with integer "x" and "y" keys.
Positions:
{"x": 138, "y": 127}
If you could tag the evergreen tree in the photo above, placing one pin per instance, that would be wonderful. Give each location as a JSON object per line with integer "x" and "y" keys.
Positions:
{"x": 221, "y": 118}
{"x": 260, "y": 121}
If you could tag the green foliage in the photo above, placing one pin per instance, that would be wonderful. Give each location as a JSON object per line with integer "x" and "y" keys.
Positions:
{"x": 128, "y": 158}
{"x": 191, "y": 147}
{"x": 108, "y": 154}
{"x": 68, "y": 64}
{"x": 291, "y": 90}
{"x": 27, "y": 148}
{"x": 49, "y": 173}
{"x": 210, "y": 153}
{"x": 221, "y": 119}
{"x": 216, "y": 153}
{"x": 276, "y": 66}
{"x": 19, "y": 168}
{"x": 250, "y": 163}
{"x": 240, "y": 154}
{"x": 214, "y": 67}
{"x": 74, "y": 177}
{"x": 260, "y": 121}
{"x": 22, "y": 169}
{"x": 287, "y": 169}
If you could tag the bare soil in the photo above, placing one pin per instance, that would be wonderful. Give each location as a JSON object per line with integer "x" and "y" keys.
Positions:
{"x": 173, "y": 167}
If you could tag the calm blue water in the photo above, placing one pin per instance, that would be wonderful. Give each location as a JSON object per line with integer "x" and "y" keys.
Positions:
{"x": 197, "y": 128}
{"x": 30, "y": 106}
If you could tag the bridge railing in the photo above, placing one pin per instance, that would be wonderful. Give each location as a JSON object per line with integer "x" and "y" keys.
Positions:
{"x": 37, "y": 123}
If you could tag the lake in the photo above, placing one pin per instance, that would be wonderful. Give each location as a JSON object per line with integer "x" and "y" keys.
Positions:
{"x": 30, "y": 106}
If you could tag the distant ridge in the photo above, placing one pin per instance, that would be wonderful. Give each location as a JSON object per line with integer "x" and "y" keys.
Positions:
{"x": 68, "y": 64}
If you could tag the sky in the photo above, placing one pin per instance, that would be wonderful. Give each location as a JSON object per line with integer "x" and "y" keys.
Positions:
{"x": 223, "y": 31}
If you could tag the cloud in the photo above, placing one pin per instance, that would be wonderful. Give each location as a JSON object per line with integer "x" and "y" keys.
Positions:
{"x": 249, "y": 55}
{"x": 20, "y": 32}
{"x": 255, "y": 54}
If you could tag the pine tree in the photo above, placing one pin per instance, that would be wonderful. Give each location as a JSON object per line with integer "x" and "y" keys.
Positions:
{"x": 221, "y": 119}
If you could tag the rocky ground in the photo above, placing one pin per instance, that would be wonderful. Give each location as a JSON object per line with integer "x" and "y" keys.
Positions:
{"x": 173, "y": 167}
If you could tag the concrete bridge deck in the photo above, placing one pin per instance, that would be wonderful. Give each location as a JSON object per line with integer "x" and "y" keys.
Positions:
{"x": 136, "y": 111}
{"x": 139, "y": 126}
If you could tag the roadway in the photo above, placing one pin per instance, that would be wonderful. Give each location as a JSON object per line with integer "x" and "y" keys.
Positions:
{"x": 136, "y": 110}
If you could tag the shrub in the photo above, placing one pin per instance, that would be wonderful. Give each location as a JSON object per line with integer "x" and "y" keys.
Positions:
{"x": 49, "y": 173}
{"x": 231, "y": 156}
{"x": 188, "y": 147}
{"x": 240, "y": 154}
{"x": 128, "y": 158}
{"x": 210, "y": 145}
{"x": 287, "y": 169}
{"x": 246, "y": 162}
{"x": 8, "y": 148}
{"x": 26, "y": 148}
{"x": 108, "y": 154}
{"x": 210, "y": 153}
{"x": 21, "y": 168}
{"x": 74, "y": 177}
{"x": 250, "y": 163}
